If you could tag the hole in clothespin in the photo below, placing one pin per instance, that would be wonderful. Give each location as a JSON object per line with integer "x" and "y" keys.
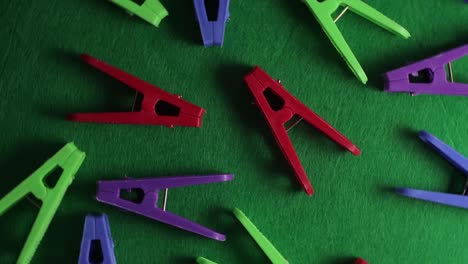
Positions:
{"x": 294, "y": 121}
{"x": 95, "y": 252}
{"x": 166, "y": 109}
{"x": 422, "y": 76}
{"x": 212, "y": 7}
{"x": 52, "y": 178}
{"x": 274, "y": 100}
{"x": 133, "y": 195}
{"x": 138, "y": 2}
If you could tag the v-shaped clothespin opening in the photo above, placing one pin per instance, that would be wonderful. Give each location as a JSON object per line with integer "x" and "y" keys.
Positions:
{"x": 456, "y": 159}
{"x": 323, "y": 12}
{"x": 158, "y": 107}
{"x": 278, "y": 107}
{"x": 428, "y": 76}
{"x": 212, "y": 27}
{"x": 152, "y": 11}
{"x": 97, "y": 245}
{"x": 69, "y": 159}
{"x": 109, "y": 192}
{"x": 450, "y": 154}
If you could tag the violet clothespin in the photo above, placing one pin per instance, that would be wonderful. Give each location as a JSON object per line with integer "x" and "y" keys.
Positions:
{"x": 97, "y": 245}
{"x": 212, "y": 28}
{"x": 457, "y": 160}
{"x": 147, "y": 205}
{"x": 428, "y": 76}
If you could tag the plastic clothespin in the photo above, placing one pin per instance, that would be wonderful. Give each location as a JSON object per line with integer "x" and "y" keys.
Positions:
{"x": 427, "y": 76}
{"x": 272, "y": 253}
{"x": 69, "y": 159}
{"x": 212, "y": 29}
{"x": 457, "y": 160}
{"x": 97, "y": 245}
{"x": 360, "y": 261}
{"x": 109, "y": 192}
{"x": 266, "y": 91}
{"x": 152, "y": 11}
{"x": 323, "y": 11}
{"x": 202, "y": 260}
{"x": 153, "y": 105}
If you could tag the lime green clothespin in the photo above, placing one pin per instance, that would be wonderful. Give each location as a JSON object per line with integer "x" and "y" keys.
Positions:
{"x": 69, "y": 158}
{"x": 202, "y": 260}
{"x": 323, "y": 12}
{"x": 271, "y": 252}
{"x": 152, "y": 11}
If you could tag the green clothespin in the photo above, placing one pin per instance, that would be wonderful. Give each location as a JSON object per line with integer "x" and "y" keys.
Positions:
{"x": 152, "y": 11}
{"x": 202, "y": 260}
{"x": 69, "y": 158}
{"x": 271, "y": 252}
{"x": 323, "y": 11}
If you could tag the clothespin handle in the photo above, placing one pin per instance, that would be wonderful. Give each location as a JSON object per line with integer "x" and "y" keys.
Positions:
{"x": 272, "y": 253}
{"x": 453, "y": 156}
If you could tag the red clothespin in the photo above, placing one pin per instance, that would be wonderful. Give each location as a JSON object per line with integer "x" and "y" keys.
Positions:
{"x": 154, "y": 101}
{"x": 283, "y": 110}
{"x": 360, "y": 261}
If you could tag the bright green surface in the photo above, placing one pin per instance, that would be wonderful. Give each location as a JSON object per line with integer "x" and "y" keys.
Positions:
{"x": 352, "y": 213}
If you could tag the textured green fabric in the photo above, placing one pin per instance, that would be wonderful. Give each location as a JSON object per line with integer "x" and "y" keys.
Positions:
{"x": 353, "y": 211}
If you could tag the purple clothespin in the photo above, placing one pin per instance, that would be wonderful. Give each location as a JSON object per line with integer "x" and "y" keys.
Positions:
{"x": 428, "y": 76}
{"x": 110, "y": 192}
{"x": 97, "y": 245}
{"x": 457, "y": 160}
{"x": 212, "y": 29}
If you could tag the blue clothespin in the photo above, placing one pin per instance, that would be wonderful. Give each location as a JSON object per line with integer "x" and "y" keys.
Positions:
{"x": 97, "y": 245}
{"x": 457, "y": 160}
{"x": 212, "y": 30}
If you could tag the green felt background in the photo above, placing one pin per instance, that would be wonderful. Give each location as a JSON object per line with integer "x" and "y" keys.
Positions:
{"x": 353, "y": 213}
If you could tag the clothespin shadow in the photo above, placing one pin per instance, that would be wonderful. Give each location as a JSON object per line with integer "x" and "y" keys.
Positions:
{"x": 340, "y": 260}
{"x": 178, "y": 259}
{"x": 64, "y": 230}
{"x": 230, "y": 77}
{"x": 454, "y": 177}
{"x": 311, "y": 29}
{"x": 103, "y": 93}
{"x": 245, "y": 248}
{"x": 183, "y": 22}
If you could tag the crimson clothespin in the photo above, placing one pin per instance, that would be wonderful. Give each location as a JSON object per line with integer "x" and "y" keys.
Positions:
{"x": 154, "y": 100}
{"x": 262, "y": 85}
{"x": 360, "y": 261}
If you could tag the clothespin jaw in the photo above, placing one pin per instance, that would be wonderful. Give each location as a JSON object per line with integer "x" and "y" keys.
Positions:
{"x": 97, "y": 245}
{"x": 109, "y": 192}
{"x": 427, "y": 76}
{"x": 264, "y": 89}
{"x": 202, "y": 260}
{"x": 456, "y": 159}
{"x": 360, "y": 261}
{"x": 272, "y": 253}
{"x": 152, "y": 11}
{"x": 323, "y": 11}
{"x": 212, "y": 31}
{"x": 182, "y": 113}
{"x": 69, "y": 159}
